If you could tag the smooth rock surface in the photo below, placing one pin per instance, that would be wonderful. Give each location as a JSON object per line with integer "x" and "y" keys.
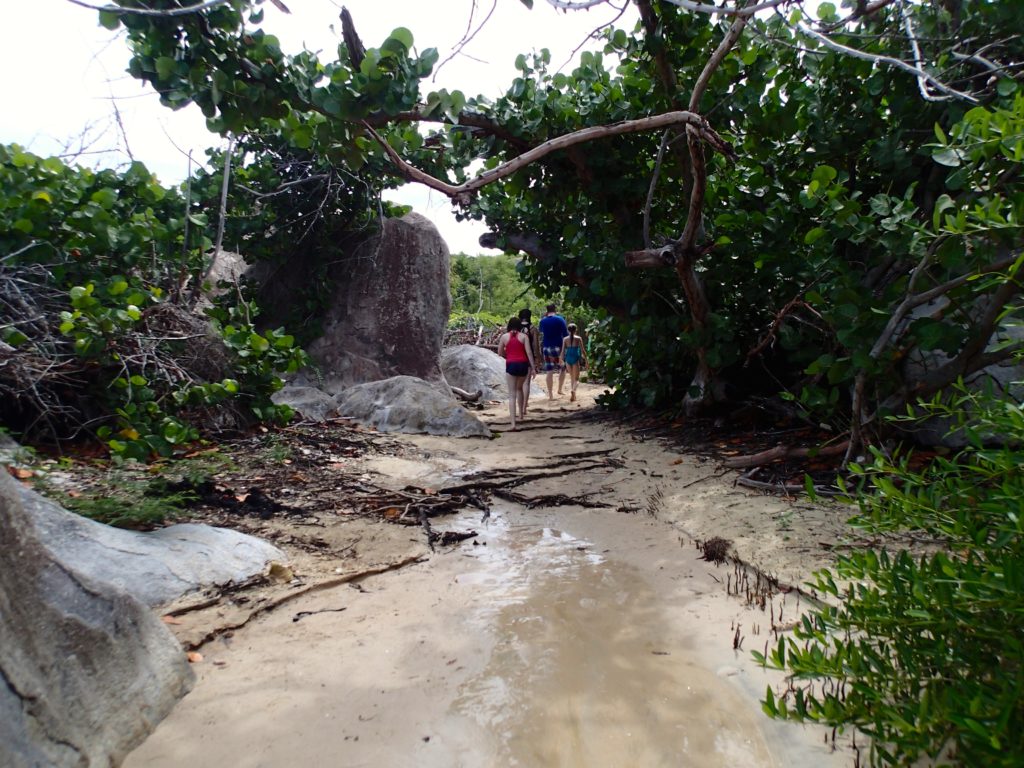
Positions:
{"x": 309, "y": 402}
{"x": 153, "y": 567}
{"x": 478, "y": 369}
{"x": 408, "y": 404}
{"x": 86, "y": 671}
{"x": 390, "y": 308}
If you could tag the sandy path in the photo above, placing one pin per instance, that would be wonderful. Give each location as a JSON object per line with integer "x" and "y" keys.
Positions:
{"x": 563, "y": 637}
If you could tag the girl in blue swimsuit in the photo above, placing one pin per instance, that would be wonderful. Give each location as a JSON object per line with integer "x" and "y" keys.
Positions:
{"x": 572, "y": 355}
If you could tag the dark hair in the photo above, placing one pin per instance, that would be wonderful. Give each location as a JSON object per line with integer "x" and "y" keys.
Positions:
{"x": 514, "y": 324}
{"x": 551, "y": 307}
{"x": 525, "y": 315}
{"x": 572, "y": 330}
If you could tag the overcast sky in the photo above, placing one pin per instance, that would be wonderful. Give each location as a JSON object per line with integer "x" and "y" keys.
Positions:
{"x": 62, "y": 73}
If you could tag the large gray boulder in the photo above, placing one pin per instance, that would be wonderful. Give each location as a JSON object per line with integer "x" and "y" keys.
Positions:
{"x": 407, "y": 404}
{"x": 390, "y": 308}
{"x": 477, "y": 369}
{"x": 86, "y": 671}
{"x": 153, "y": 567}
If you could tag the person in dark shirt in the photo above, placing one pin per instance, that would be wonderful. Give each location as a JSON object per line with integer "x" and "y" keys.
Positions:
{"x": 525, "y": 317}
{"x": 552, "y": 330}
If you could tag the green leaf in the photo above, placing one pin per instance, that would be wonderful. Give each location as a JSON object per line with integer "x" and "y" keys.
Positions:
{"x": 944, "y": 203}
{"x": 1006, "y": 87}
{"x": 165, "y": 67}
{"x": 404, "y": 36}
{"x": 824, "y": 175}
{"x": 110, "y": 20}
{"x": 948, "y": 156}
{"x": 258, "y": 343}
{"x": 105, "y": 198}
{"x": 814, "y": 235}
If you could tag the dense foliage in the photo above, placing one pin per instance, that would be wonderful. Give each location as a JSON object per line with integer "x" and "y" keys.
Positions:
{"x": 96, "y": 339}
{"x": 925, "y": 653}
{"x": 489, "y": 290}
{"x": 844, "y": 177}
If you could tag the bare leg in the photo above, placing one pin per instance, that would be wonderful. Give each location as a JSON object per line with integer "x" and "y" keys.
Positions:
{"x": 574, "y": 377}
{"x": 526, "y": 393}
{"x": 561, "y": 379}
{"x": 513, "y": 396}
{"x": 551, "y": 391}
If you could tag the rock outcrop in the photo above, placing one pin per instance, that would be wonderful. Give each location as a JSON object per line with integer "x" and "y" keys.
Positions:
{"x": 390, "y": 308}
{"x": 477, "y": 369}
{"x": 86, "y": 671}
{"x": 153, "y": 567}
{"x": 310, "y": 403}
{"x": 408, "y": 404}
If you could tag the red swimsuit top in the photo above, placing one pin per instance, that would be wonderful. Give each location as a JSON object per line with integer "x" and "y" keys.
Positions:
{"x": 515, "y": 350}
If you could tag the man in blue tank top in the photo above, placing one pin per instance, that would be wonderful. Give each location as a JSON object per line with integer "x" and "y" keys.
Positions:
{"x": 552, "y": 330}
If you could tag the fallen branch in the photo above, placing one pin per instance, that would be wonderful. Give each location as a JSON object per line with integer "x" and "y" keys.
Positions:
{"x": 782, "y": 452}
{"x": 304, "y": 590}
{"x": 550, "y": 500}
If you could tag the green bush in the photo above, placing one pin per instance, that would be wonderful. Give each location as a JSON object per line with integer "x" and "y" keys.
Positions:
{"x": 92, "y": 270}
{"x": 924, "y": 653}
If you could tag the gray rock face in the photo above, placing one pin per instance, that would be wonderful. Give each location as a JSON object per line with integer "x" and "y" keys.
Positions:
{"x": 86, "y": 671}
{"x": 311, "y": 403}
{"x": 475, "y": 369}
{"x": 391, "y": 308}
{"x": 407, "y": 404}
{"x": 152, "y": 567}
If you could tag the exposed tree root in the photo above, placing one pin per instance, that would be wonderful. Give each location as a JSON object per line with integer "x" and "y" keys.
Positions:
{"x": 550, "y": 500}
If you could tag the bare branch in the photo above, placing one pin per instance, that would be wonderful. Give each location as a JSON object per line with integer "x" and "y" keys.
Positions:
{"x": 922, "y": 84}
{"x": 652, "y": 187}
{"x": 880, "y": 59}
{"x": 715, "y": 10}
{"x": 157, "y": 12}
{"x": 467, "y": 37}
{"x": 461, "y": 193}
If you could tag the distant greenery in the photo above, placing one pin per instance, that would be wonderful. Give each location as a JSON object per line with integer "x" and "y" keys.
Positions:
{"x": 491, "y": 289}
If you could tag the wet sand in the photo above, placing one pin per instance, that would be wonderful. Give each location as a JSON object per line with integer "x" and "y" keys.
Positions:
{"x": 562, "y": 637}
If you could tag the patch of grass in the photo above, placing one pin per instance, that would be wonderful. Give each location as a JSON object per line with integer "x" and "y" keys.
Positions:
{"x": 276, "y": 450}
{"x": 126, "y": 508}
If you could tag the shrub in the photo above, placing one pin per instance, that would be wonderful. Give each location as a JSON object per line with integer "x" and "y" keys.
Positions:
{"x": 925, "y": 653}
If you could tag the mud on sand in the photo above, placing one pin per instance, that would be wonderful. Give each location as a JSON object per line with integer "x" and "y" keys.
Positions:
{"x": 575, "y": 626}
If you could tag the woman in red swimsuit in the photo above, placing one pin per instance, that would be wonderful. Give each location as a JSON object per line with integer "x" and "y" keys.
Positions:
{"x": 514, "y": 346}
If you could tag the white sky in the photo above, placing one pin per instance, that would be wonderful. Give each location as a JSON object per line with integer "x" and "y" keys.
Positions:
{"x": 61, "y": 71}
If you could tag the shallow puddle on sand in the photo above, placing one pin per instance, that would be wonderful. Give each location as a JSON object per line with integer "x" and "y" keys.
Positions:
{"x": 586, "y": 669}
{"x": 562, "y": 639}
